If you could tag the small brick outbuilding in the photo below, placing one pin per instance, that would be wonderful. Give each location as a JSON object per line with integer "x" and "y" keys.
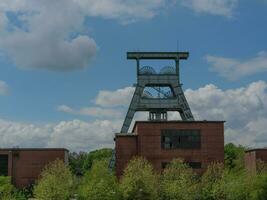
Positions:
{"x": 199, "y": 143}
{"x": 24, "y": 165}
{"x": 252, "y": 156}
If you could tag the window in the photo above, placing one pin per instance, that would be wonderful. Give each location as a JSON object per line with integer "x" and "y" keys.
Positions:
{"x": 180, "y": 139}
{"x": 164, "y": 165}
{"x": 3, "y": 165}
{"x": 194, "y": 165}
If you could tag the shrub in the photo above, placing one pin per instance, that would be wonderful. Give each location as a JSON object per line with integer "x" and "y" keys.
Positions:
{"x": 5, "y": 187}
{"x": 212, "y": 183}
{"x": 56, "y": 182}
{"x": 178, "y": 181}
{"x": 99, "y": 183}
{"x": 139, "y": 181}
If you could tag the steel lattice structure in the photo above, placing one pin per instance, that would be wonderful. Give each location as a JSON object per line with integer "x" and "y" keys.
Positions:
{"x": 147, "y": 77}
{"x": 143, "y": 100}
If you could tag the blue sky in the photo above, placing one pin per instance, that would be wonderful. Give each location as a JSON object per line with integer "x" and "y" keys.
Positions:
{"x": 63, "y": 66}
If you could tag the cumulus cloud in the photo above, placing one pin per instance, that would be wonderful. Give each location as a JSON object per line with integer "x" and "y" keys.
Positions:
{"x": 3, "y": 88}
{"x": 125, "y": 11}
{"x": 51, "y": 35}
{"x": 76, "y": 135}
{"x": 234, "y": 69}
{"x": 97, "y": 112}
{"x": 214, "y": 7}
{"x": 244, "y": 109}
{"x": 45, "y": 35}
{"x": 120, "y": 97}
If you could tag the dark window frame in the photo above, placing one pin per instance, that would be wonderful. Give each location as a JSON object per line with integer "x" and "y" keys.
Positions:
{"x": 180, "y": 139}
{"x": 3, "y": 164}
{"x": 195, "y": 165}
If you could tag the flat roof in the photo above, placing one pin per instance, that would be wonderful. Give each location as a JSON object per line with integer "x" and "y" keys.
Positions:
{"x": 33, "y": 149}
{"x": 257, "y": 149}
{"x": 125, "y": 134}
{"x": 177, "y": 121}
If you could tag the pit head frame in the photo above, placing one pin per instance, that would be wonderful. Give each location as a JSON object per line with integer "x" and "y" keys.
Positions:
{"x": 168, "y": 77}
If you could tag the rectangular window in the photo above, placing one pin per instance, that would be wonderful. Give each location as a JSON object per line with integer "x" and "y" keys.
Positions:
{"x": 194, "y": 165}
{"x": 3, "y": 165}
{"x": 180, "y": 139}
{"x": 164, "y": 165}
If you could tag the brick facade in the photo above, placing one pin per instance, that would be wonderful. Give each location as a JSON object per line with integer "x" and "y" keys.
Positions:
{"x": 252, "y": 156}
{"x": 146, "y": 141}
{"x": 25, "y": 165}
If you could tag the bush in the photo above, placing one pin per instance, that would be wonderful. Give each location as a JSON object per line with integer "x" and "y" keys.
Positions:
{"x": 56, "y": 182}
{"x": 6, "y": 187}
{"x": 81, "y": 162}
{"x": 212, "y": 183}
{"x": 238, "y": 186}
{"x": 99, "y": 183}
{"x": 139, "y": 181}
{"x": 178, "y": 181}
{"x": 234, "y": 157}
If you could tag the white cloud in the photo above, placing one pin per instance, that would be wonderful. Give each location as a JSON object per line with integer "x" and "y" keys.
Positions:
{"x": 46, "y": 35}
{"x": 97, "y": 112}
{"x": 120, "y": 97}
{"x": 76, "y": 135}
{"x": 124, "y": 10}
{"x": 214, "y": 7}
{"x": 244, "y": 109}
{"x": 234, "y": 69}
{"x": 3, "y": 88}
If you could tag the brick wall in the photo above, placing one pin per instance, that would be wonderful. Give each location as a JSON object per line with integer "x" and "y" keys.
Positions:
{"x": 25, "y": 165}
{"x": 148, "y": 144}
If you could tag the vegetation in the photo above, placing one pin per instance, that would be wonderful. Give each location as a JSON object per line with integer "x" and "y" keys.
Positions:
{"x": 178, "y": 181}
{"x": 80, "y": 163}
{"x": 56, "y": 182}
{"x": 139, "y": 182}
{"x": 234, "y": 157}
{"x": 99, "y": 183}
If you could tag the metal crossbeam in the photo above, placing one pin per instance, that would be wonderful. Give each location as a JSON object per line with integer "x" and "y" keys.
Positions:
{"x": 158, "y": 55}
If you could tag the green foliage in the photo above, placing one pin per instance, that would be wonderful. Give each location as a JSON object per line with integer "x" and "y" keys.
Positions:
{"x": 238, "y": 186}
{"x": 178, "y": 181}
{"x": 99, "y": 183}
{"x": 56, "y": 182}
{"x": 5, "y": 187}
{"x": 234, "y": 157}
{"x": 81, "y": 162}
{"x": 76, "y": 162}
{"x": 260, "y": 186}
{"x": 212, "y": 183}
{"x": 139, "y": 181}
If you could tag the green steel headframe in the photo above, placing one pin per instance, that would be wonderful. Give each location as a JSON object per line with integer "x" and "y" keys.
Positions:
{"x": 148, "y": 77}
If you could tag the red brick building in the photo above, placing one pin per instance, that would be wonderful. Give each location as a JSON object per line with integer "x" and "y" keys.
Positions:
{"x": 252, "y": 156}
{"x": 25, "y": 165}
{"x": 199, "y": 143}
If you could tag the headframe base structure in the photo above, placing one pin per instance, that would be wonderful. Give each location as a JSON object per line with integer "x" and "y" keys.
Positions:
{"x": 168, "y": 77}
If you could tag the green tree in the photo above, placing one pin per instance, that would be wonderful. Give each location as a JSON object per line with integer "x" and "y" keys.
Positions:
{"x": 56, "y": 182}
{"x": 238, "y": 186}
{"x": 99, "y": 183}
{"x": 178, "y": 182}
{"x": 139, "y": 182}
{"x": 76, "y": 162}
{"x": 234, "y": 157}
{"x": 82, "y": 162}
{"x": 212, "y": 183}
{"x": 101, "y": 154}
{"x": 6, "y": 187}
{"x": 260, "y": 187}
